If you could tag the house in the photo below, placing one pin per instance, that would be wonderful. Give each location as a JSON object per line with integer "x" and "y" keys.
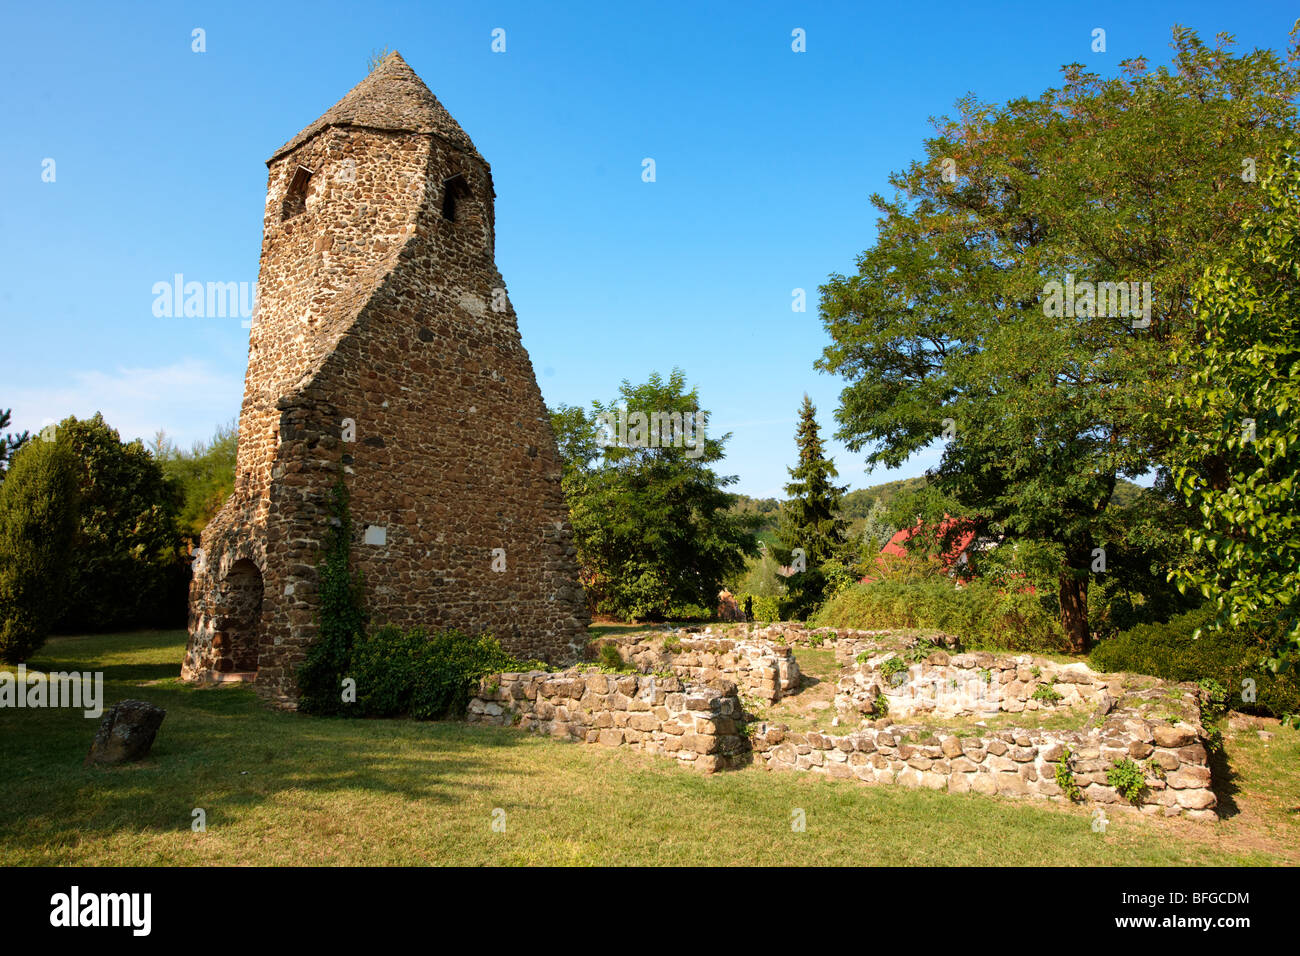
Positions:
{"x": 960, "y": 533}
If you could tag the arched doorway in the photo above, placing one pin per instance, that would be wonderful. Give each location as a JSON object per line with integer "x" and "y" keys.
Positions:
{"x": 239, "y": 621}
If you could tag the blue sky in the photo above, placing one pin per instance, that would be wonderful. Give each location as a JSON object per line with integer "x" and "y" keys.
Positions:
{"x": 765, "y": 159}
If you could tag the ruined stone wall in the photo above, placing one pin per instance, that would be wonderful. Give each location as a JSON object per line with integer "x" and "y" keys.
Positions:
{"x": 1011, "y": 763}
{"x": 946, "y": 685}
{"x": 1153, "y": 724}
{"x": 318, "y": 270}
{"x": 759, "y": 669}
{"x": 385, "y": 351}
{"x": 657, "y": 714}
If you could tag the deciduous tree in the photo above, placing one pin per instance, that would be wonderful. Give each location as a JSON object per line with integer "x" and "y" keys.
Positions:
{"x": 1238, "y": 462}
{"x": 948, "y": 331}
{"x": 651, "y": 518}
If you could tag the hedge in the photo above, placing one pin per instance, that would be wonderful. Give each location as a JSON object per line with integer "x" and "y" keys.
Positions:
{"x": 761, "y": 609}
{"x": 406, "y": 673}
{"x": 1230, "y": 657}
{"x": 978, "y": 614}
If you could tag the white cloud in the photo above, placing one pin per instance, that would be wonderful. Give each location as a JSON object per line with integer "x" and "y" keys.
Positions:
{"x": 186, "y": 399}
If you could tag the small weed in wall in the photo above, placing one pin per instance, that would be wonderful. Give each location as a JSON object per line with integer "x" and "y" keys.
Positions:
{"x": 612, "y": 661}
{"x": 922, "y": 649}
{"x": 1213, "y": 700}
{"x": 1047, "y": 693}
{"x": 1214, "y": 740}
{"x": 894, "y": 670}
{"x": 1065, "y": 777}
{"x": 753, "y": 708}
{"x": 1127, "y": 778}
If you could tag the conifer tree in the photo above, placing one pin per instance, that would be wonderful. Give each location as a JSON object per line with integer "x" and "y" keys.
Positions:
{"x": 9, "y": 443}
{"x": 38, "y": 521}
{"x": 812, "y": 532}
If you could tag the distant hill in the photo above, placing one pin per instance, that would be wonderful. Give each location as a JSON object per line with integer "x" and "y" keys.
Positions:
{"x": 857, "y": 504}
{"x": 763, "y": 506}
{"x": 1125, "y": 493}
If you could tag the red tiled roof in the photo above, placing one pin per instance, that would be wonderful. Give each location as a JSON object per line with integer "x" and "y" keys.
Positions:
{"x": 961, "y": 529}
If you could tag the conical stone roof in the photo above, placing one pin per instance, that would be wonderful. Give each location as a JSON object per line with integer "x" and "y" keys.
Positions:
{"x": 392, "y": 97}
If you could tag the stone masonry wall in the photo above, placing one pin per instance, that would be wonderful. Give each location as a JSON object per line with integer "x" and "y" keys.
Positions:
{"x": 657, "y": 714}
{"x": 944, "y": 685}
{"x": 760, "y": 669}
{"x": 1151, "y": 723}
{"x": 385, "y": 353}
{"x": 1012, "y": 763}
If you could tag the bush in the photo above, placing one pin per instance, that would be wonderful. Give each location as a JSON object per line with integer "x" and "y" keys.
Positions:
{"x": 38, "y": 519}
{"x": 762, "y": 609}
{"x": 407, "y": 673}
{"x": 397, "y": 673}
{"x": 892, "y": 666}
{"x": 1045, "y": 693}
{"x": 611, "y": 659}
{"x": 125, "y": 569}
{"x": 1127, "y": 778}
{"x": 1228, "y": 658}
{"x": 978, "y": 614}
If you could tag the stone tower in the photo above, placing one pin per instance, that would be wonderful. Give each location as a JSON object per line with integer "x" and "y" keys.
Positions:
{"x": 384, "y": 350}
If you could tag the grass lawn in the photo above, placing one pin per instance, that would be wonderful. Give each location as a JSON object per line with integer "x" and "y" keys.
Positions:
{"x": 279, "y": 788}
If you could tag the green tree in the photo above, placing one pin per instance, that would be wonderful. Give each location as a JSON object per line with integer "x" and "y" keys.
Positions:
{"x": 205, "y": 476}
{"x": 952, "y": 327}
{"x": 1142, "y": 538}
{"x": 652, "y": 522}
{"x": 762, "y": 576}
{"x": 126, "y": 569}
{"x": 576, "y": 441}
{"x": 877, "y": 529}
{"x": 10, "y": 442}
{"x": 812, "y": 533}
{"x": 38, "y": 518}
{"x": 1237, "y": 463}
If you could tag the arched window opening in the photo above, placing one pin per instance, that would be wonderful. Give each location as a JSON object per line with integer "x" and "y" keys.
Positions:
{"x": 239, "y": 621}
{"x": 455, "y": 194}
{"x": 295, "y": 198}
